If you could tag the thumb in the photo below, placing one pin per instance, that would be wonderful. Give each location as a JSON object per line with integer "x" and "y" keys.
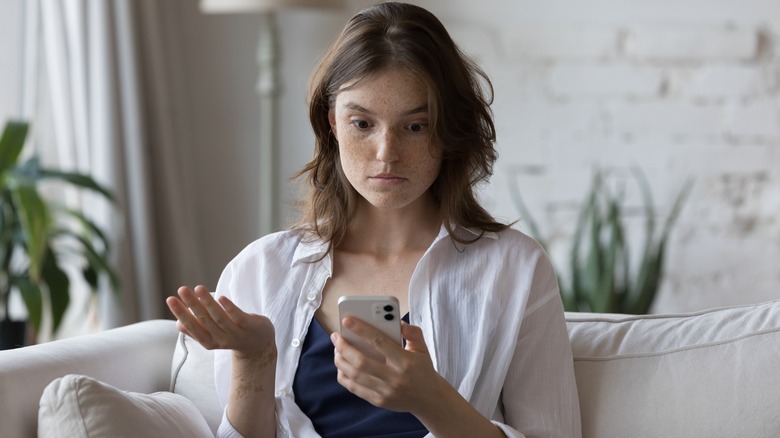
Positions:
{"x": 414, "y": 338}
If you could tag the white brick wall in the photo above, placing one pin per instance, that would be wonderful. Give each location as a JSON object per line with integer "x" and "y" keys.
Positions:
{"x": 691, "y": 43}
{"x": 605, "y": 80}
{"x": 723, "y": 81}
{"x": 555, "y": 42}
{"x": 757, "y": 120}
{"x": 682, "y": 96}
{"x": 684, "y": 89}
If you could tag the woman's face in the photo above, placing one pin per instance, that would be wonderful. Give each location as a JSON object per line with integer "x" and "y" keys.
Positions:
{"x": 382, "y": 127}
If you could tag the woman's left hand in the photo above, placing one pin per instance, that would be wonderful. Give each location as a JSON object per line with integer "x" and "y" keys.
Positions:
{"x": 405, "y": 381}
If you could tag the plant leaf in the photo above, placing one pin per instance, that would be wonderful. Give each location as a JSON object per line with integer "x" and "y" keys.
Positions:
{"x": 59, "y": 288}
{"x": 676, "y": 208}
{"x": 608, "y": 294}
{"x": 638, "y": 288}
{"x": 98, "y": 262}
{"x": 533, "y": 229}
{"x": 79, "y": 180}
{"x": 11, "y": 144}
{"x": 91, "y": 276}
{"x": 577, "y": 273}
{"x": 33, "y": 300}
{"x": 648, "y": 285}
{"x": 652, "y": 268}
{"x": 91, "y": 228}
{"x": 35, "y": 222}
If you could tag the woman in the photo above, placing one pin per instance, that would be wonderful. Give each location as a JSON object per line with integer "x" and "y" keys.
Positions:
{"x": 403, "y": 134}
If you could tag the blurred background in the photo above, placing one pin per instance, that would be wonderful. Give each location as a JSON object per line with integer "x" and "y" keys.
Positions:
{"x": 160, "y": 100}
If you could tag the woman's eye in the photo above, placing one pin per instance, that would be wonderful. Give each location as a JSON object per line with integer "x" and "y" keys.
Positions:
{"x": 360, "y": 124}
{"x": 416, "y": 127}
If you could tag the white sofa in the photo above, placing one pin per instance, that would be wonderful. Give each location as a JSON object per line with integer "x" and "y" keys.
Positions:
{"x": 714, "y": 373}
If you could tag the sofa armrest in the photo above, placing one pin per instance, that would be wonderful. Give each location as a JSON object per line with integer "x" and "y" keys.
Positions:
{"x": 136, "y": 358}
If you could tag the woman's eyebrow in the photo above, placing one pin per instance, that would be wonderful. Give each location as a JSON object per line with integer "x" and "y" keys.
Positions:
{"x": 419, "y": 110}
{"x": 355, "y": 107}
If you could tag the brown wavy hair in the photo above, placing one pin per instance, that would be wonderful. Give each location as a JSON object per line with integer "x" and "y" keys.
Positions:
{"x": 391, "y": 35}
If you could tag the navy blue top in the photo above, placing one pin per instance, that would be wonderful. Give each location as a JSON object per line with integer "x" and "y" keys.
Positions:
{"x": 334, "y": 411}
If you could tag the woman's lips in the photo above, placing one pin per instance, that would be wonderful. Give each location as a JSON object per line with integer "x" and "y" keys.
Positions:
{"x": 387, "y": 178}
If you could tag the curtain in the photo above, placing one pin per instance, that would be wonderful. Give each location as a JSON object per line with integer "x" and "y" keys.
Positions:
{"x": 118, "y": 114}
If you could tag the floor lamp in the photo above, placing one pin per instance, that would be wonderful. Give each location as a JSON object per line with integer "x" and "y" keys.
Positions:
{"x": 267, "y": 87}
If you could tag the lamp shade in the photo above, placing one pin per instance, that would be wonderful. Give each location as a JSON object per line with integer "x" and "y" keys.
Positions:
{"x": 227, "y": 6}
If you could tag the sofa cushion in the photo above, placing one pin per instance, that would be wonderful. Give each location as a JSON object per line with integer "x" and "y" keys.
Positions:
{"x": 711, "y": 373}
{"x": 80, "y": 406}
{"x": 192, "y": 375}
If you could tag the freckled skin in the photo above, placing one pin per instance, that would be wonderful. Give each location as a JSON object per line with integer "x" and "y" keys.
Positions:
{"x": 382, "y": 127}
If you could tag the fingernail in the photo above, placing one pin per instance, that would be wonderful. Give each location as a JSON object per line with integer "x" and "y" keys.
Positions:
{"x": 349, "y": 323}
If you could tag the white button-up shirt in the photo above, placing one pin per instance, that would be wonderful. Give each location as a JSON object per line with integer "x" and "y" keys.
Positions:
{"x": 490, "y": 312}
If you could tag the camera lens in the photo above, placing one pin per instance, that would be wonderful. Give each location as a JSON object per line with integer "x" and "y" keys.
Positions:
{"x": 388, "y": 308}
{"x": 389, "y": 316}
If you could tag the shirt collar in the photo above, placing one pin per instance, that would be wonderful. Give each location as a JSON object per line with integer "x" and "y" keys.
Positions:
{"x": 311, "y": 250}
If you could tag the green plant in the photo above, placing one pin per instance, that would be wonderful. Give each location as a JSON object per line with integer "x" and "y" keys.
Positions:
{"x": 38, "y": 236}
{"x": 600, "y": 275}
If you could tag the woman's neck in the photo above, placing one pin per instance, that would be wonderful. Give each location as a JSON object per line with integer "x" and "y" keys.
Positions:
{"x": 388, "y": 232}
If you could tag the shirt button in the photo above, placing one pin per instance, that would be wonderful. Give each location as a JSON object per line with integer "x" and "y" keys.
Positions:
{"x": 281, "y": 393}
{"x": 311, "y": 296}
{"x": 296, "y": 343}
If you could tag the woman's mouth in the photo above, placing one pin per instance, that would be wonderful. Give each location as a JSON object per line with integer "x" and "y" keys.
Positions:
{"x": 387, "y": 178}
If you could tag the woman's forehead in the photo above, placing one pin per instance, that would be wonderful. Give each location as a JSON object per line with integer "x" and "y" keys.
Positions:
{"x": 398, "y": 84}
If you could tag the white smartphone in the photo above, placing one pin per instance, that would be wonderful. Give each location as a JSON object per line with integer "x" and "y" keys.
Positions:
{"x": 382, "y": 312}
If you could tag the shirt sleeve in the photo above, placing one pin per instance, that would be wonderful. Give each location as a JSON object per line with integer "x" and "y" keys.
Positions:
{"x": 540, "y": 392}
{"x": 222, "y": 364}
{"x": 226, "y": 430}
{"x": 222, "y": 358}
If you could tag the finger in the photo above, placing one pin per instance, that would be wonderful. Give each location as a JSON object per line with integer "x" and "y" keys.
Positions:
{"x": 179, "y": 309}
{"x": 351, "y": 358}
{"x": 193, "y": 317}
{"x": 414, "y": 338}
{"x": 214, "y": 310}
{"x": 183, "y": 329}
{"x": 231, "y": 309}
{"x": 358, "y": 371}
{"x": 192, "y": 301}
{"x": 186, "y": 323}
{"x": 366, "y": 392}
{"x": 375, "y": 338}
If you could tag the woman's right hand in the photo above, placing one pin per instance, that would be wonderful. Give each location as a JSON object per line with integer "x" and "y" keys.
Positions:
{"x": 221, "y": 324}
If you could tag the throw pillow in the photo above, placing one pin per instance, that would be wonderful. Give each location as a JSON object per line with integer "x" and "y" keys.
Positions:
{"x": 80, "y": 406}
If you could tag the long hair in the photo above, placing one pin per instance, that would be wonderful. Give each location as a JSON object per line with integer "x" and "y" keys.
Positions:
{"x": 391, "y": 35}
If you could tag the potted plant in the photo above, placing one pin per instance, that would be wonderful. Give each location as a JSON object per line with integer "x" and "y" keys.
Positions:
{"x": 38, "y": 237}
{"x": 600, "y": 276}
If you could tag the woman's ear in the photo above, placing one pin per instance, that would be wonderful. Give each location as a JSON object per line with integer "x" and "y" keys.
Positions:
{"x": 332, "y": 121}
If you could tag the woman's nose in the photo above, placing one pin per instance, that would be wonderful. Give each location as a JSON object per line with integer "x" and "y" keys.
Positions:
{"x": 387, "y": 147}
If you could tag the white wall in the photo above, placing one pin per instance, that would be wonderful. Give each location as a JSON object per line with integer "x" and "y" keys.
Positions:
{"x": 220, "y": 57}
{"x": 689, "y": 88}
{"x": 684, "y": 90}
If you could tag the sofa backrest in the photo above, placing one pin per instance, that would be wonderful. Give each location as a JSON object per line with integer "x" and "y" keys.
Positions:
{"x": 192, "y": 375}
{"x": 711, "y": 373}
{"x": 125, "y": 357}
